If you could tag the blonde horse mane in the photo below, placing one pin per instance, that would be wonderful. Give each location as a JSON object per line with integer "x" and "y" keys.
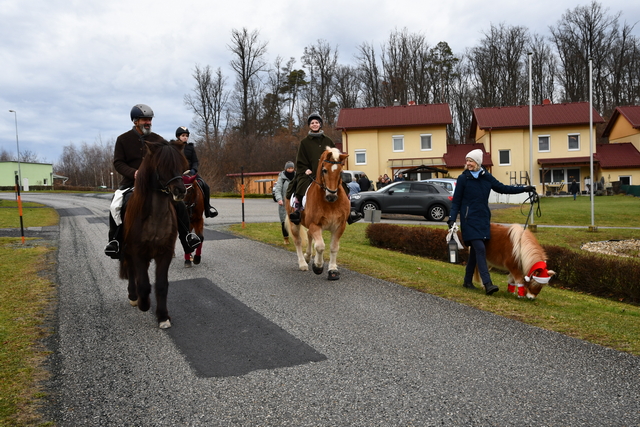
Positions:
{"x": 526, "y": 249}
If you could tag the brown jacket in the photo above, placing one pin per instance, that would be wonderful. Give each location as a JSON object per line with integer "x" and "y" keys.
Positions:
{"x": 128, "y": 154}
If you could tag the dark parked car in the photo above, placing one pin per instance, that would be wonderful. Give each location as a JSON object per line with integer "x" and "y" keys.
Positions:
{"x": 406, "y": 197}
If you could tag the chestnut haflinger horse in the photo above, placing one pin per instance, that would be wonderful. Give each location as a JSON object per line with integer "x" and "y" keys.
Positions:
{"x": 327, "y": 207}
{"x": 516, "y": 250}
{"x": 151, "y": 226}
{"x": 194, "y": 199}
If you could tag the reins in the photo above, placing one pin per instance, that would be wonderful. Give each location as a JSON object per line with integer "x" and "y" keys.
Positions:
{"x": 324, "y": 187}
{"x": 164, "y": 188}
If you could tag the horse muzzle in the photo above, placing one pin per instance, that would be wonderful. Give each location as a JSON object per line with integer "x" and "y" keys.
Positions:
{"x": 330, "y": 195}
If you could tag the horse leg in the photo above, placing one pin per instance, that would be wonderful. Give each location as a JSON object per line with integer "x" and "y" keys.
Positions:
{"x": 143, "y": 286}
{"x": 309, "y": 250}
{"x": 334, "y": 247}
{"x": 162, "y": 290}
{"x": 131, "y": 288}
{"x": 187, "y": 260}
{"x": 198, "y": 256}
{"x": 318, "y": 243}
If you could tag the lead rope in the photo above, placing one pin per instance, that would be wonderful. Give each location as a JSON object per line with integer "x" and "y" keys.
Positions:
{"x": 533, "y": 199}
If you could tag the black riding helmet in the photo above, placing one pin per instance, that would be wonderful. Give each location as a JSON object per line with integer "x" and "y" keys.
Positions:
{"x": 314, "y": 116}
{"x": 141, "y": 110}
{"x": 181, "y": 130}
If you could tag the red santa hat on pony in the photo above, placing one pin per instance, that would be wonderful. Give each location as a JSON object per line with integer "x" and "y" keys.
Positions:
{"x": 539, "y": 273}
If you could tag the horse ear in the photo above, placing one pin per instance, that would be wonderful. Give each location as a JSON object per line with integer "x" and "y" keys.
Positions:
{"x": 343, "y": 156}
{"x": 551, "y": 273}
{"x": 178, "y": 145}
{"x": 151, "y": 147}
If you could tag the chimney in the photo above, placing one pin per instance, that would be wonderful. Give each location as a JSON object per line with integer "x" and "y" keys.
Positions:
{"x": 546, "y": 102}
{"x": 396, "y": 103}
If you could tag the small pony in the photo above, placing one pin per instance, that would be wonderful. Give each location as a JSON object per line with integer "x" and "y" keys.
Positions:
{"x": 194, "y": 199}
{"x": 327, "y": 208}
{"x": 151, "y": 226}
{"x": 516, "y": 250}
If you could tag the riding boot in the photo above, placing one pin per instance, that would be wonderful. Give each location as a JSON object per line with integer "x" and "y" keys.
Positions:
{"x": 294, "y": 216}
{"x": 189, "y": 241}
{"x": 115, "y": 238}
{"x": 209, "y": 211}
{"x": 354, "y": 217}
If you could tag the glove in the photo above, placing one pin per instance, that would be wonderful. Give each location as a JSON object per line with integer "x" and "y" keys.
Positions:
{"x": 530, "y": 189}
{"x": 450, "y": 223}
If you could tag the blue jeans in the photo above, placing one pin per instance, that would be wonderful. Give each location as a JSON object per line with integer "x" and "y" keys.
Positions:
{"x": 477, "y": 256}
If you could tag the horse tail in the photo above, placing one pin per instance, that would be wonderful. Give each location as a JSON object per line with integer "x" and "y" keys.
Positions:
{"x": 124, "y": 270}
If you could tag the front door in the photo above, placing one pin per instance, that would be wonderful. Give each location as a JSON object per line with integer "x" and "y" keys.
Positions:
{"x": 571, "y": 175}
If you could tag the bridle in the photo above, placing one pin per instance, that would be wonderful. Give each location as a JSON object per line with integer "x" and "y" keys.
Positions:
{"x": 324, "y": 187}
{"x": 164, "y": 188}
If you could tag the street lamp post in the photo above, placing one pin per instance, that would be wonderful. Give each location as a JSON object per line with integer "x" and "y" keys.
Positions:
{"x": 15, "y": 115}
{"x": 111, "y": 180}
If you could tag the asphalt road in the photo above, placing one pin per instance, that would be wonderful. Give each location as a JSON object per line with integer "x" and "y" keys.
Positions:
{"x": 256, "y": 342}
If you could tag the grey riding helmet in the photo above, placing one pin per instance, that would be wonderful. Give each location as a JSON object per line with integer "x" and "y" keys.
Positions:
{"x": 141, "y": 111}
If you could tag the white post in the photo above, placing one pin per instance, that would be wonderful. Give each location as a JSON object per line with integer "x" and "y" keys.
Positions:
{"x": 530, "y": 133}
{"x": 591, "y": 139}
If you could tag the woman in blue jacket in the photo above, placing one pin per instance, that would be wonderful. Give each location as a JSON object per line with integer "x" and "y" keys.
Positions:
{"x": 471, "y": 201}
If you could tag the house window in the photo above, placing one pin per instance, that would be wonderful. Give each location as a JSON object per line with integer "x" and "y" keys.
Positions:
{"x": 361, "y": 157}
{"x": 398, "y": 143}
{"x": 625, "y": 179}
{"x": 544, "y": 143}
{"x": 425, "y": 142}
{"x": 574, "y": 142}
{"x": 505, "y": 157}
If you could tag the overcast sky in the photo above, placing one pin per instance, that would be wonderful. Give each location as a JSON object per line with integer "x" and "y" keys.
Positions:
{"x": 73, "y": 69}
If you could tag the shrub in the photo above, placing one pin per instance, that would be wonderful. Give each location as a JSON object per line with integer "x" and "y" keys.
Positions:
{"x": 601, "y": 275}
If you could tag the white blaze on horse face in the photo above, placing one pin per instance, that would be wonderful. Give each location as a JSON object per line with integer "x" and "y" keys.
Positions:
{"x": 334, "y": 168}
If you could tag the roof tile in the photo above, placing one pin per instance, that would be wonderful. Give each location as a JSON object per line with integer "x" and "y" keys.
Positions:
{"x": 395, "y": 116}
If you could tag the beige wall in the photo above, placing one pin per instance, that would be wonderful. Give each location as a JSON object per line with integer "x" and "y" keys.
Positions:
{"x": 517, "y": 141}
{"x": 378, "y": 144}
{"x": 622, "y": 131}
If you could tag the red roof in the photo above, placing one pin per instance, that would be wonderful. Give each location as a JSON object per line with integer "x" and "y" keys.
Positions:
{"x": 395, "y": 116}
{"x": 630, "y": 112}
{"x": 617, "y": 155}
{"x": 456, "y": 155}
{"x": 576, "y": 113}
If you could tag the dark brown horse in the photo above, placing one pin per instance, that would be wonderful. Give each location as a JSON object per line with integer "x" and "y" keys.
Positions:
{"x": 194, "y": 199}
{"x": 327, "y": 208}
{"x": 151, "y": 226}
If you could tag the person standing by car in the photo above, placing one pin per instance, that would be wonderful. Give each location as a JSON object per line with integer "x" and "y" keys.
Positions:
{"x": 471, "y": 201}
{"x": 354, "y": 187}
{"x": 364, "y": 183}
{"x": 280, "y": 192}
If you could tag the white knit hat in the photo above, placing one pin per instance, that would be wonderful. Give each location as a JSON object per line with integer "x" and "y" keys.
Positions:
{"x": 475, "y": 155}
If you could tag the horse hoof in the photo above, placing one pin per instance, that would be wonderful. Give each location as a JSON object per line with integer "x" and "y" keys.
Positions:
{"x": 144, "y": 305}
{"x": 196, "y": 259}
{"x": 317, "y": 270}
{"x": 133, "y": 303}
{"x": 333, "y": 275}
{"x": 187, "y": 264}
{"x": 165, "y": 325}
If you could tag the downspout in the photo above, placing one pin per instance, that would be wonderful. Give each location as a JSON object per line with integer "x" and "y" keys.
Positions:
{"x": 346, "y": 147}
{"x": 490, "y": 148}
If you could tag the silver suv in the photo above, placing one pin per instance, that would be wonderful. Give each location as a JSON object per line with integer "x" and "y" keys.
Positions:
{"x": 448, "y": 183}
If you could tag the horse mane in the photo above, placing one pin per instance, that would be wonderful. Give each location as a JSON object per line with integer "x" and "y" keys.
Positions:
{"x": 159, "y": 155}
{"x": 526, "y": 248}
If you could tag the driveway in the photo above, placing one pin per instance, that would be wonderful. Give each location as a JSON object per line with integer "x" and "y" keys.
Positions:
{"x": 255, "y": 341}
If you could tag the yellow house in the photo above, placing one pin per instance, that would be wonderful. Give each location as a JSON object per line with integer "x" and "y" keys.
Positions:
{"x": 624, "y": 125}
{"x": 560, "y": 144}
{"x": 396, "y": 139}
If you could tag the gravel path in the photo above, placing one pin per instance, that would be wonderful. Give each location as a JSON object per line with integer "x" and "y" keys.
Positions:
{"x": 257, "y": 342}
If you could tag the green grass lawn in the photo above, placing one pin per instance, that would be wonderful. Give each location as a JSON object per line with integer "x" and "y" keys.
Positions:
{"x": 598, "y": 320}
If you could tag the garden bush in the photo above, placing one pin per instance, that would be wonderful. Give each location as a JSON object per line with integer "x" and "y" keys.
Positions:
{"x": 601, "y": 275}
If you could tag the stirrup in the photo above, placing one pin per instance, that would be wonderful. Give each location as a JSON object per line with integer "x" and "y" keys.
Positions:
{"x": 193, "y": 240}
{"x": 212, "y": 212}
{"x": 112, "y": 249}
{"x": 354, "y": 217}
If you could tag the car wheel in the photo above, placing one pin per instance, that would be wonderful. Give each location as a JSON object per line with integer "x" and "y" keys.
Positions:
{"x": 436, "y": 213}
{"x": 369, "y": 206}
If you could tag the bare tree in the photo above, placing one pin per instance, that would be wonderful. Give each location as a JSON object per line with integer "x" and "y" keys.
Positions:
{"x": 208, "y": 103}
{"x": 347, "y": 86}
{"x": 320, "y": 61}
{"x": 543, "y": 70}
{"x": 248, "y": 62}
{"x": 369, "y": 75}
{"x": 396, "y": 61}
{"x": 583, "y": 33}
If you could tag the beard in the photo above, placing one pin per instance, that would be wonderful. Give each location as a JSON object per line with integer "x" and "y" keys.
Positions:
{"x": 146, "y": 129}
